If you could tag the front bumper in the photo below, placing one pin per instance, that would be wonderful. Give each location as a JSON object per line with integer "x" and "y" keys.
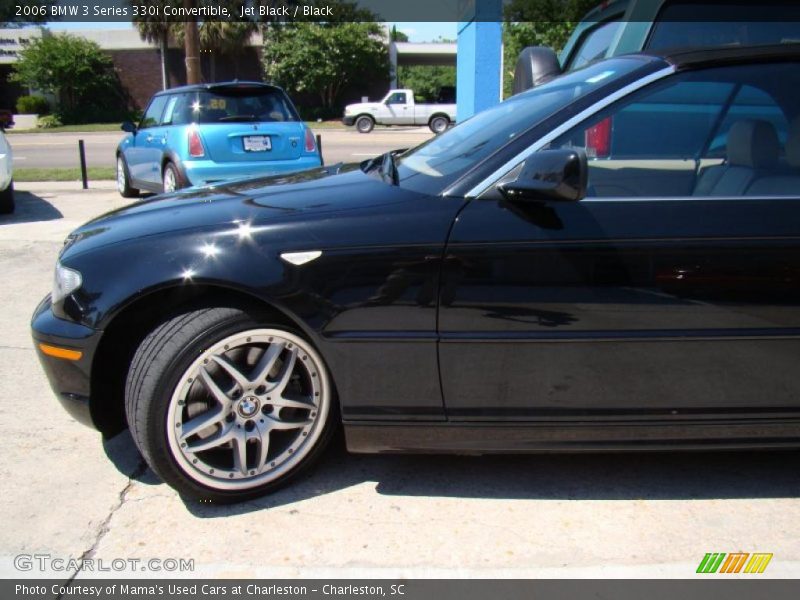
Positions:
{"x": 204, "y": 172}
{"x": 70, "y": 379}
{"x": 348, "y": 120}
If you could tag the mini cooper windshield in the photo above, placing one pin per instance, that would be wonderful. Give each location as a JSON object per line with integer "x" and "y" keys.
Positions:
{"x": 442, "y": 160}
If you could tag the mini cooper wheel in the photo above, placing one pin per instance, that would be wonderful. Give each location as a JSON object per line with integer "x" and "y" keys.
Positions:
{"x": 365, "y": 124}
{"x": 123, "y": 180}
{"x": 224, "y": 408}
{"x": 171, "y": 179}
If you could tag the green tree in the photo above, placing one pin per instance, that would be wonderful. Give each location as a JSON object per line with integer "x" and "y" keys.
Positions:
{"x": 222, "y": 38}
{"x": 76, "y": 71}
{"x": 538, "y": 23}
{"x": 426, "y": 81}
{"x": 324, "y": 58}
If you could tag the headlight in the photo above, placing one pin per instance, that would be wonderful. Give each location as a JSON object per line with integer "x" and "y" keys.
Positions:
{"x": 65, "y": 282}
{"x": 347, "y": 110}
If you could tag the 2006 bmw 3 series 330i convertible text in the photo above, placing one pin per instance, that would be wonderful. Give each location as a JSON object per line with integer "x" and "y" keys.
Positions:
{"x": 608, "y": 261}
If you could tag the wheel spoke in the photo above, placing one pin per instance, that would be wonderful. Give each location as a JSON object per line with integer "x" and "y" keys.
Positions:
{"x": 240, "y": 379}
{"x": 266, "y": 362}
{"x": 284, "y": 425}
{"x": 283, "y": 402}
{"x": 211, "y": 385}
{"x": 223, "y": 436}
{"x": 200, "y": 422}
{"x": 261, "y": 435}
{"x": 240, "y": 452}
{"x": 286, "y": 373}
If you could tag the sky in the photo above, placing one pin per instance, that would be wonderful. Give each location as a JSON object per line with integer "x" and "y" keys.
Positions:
{"x": 416, "y": 32}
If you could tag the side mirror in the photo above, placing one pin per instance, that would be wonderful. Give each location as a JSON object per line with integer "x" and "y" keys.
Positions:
{"x": 536, "y": 65}
{"x": 548, "y": 176}
{"x": 128, "y": 127}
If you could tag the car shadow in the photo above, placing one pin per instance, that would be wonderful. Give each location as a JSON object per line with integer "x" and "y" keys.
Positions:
{"x": 594, "y": 476}
{"x": 30, "y": 208}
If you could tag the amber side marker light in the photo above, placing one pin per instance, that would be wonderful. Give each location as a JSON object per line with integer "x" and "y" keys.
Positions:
{"x": 60, "y": 352}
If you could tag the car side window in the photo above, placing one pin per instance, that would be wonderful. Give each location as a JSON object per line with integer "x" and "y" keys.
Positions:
{"x": 595, "y": 44}
{"x": 152, "y": 116}
{"x": 178, "y": 110}
{"x": 714, "y": 132}
{"x": 397, "y": 98}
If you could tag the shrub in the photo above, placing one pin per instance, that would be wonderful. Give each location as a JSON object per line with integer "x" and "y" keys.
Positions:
{"x": 32, "y": 105}
{"x": 48, "y": 122}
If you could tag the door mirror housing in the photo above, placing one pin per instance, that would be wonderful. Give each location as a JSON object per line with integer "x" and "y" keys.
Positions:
{"x": 548, "y": 176}
{"x": 129, "y": 127}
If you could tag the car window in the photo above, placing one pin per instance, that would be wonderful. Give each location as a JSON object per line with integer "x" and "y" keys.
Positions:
{"x": 441, "y": 160}
{"x": 231, "y": 105}
{"x": 676, "y": 136}
{"x": 396, "y": 98}
{"x": 152, "y": 116}
{"x": 688, "y": 23}
{"x": 595, "y": 44}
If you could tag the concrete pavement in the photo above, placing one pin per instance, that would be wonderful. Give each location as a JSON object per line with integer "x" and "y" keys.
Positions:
{"x": 50, "y": 150}
{"x": 68, "y": 493}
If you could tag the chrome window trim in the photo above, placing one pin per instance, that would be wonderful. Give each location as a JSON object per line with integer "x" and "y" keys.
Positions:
{"x": 489, "y": 181}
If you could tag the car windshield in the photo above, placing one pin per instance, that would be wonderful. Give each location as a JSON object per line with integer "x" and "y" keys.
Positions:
{"x": 441, "y": 160}
{"x": 230, "y": 105}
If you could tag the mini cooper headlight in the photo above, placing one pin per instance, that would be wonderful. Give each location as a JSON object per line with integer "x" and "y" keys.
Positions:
{"x": 65, "y": 282}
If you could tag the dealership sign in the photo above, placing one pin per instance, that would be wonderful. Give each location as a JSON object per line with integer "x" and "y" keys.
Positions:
{"x": 12, "y": 41}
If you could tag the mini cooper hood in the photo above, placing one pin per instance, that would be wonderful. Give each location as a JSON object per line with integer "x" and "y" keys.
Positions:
{"x": 318, "y": 193}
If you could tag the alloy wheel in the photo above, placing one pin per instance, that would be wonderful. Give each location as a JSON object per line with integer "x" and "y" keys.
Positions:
{"x": 248, "y": 409}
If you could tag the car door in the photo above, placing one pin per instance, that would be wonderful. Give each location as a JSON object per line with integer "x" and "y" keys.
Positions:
{"x": 400, "y": 111}
{"x": 144, "y": 155}
{"x": 671, "y": 292}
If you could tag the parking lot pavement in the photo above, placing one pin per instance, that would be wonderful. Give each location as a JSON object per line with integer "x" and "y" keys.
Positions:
{"x": 68, "y": 493}
{"x": 60, "y": 150}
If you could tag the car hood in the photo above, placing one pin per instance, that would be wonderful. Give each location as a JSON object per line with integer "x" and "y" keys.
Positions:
{"x": 351, "y": 108}
{"x": 325, "y": 193}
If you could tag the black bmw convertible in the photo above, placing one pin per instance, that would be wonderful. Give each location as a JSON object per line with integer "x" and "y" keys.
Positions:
{"x": 610, "y": 261}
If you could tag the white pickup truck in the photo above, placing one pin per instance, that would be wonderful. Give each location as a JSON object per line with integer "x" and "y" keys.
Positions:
{"x": 398, "y": 108}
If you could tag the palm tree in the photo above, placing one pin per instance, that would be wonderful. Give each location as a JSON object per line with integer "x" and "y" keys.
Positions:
{"x": 156, "y": 31}
{"x": 220, "y": 37}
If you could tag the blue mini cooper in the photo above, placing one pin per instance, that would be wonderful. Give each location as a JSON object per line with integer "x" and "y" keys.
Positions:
{"x": 202, "y": 134}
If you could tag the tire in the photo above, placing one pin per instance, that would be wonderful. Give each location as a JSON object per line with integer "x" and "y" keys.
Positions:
{"x": 7, "y": 200}
{"x": 186, "y": 365}
{"x": 439, "y": 124}
{"x": 124, "y": 180}
{"x": 171, "y": 179}
{"x": 365, "y": 124}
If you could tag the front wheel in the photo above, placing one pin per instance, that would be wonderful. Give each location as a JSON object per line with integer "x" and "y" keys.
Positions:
{"x": 124, "y": 181}
{"x": 439, "y": 124}
{"x": 365, "y": 124}
{"x": 7, "y": 200}
{"x": 225, "y": 408}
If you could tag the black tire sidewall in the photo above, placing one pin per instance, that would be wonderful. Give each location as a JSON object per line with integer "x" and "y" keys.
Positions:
{"x": 7, "y": 204}
{"x": 362, "y": 119}
{"x": 128, "y": 192}
{"x": 438, "y": 119}
{"x": 152, "y": 440}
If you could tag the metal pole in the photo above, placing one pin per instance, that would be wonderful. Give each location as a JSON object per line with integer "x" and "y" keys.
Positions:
{"x": 82, "y": 153}
{"x": 319, "y": 147}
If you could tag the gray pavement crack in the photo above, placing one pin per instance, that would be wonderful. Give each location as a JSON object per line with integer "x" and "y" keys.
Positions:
{"x": 104, "y": 526}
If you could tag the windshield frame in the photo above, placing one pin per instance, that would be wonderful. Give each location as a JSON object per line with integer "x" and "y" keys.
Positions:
{"x": 639, "y": 67}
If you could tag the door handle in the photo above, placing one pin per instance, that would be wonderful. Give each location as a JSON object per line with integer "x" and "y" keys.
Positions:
{"x": 148, "y": 139}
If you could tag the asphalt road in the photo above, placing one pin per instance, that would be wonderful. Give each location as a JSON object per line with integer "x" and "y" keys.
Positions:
{"x": 61, "y": 149}
{"x": 68, "y": 493}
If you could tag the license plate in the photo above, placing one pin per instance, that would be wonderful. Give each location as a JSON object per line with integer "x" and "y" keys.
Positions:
{"x": 257, "y": 143}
